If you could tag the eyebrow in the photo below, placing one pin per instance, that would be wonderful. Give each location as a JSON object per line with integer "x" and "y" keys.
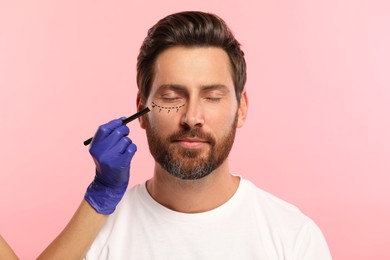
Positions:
{"x": 215, "y": 87}
{"x": 173, "y": 87}
{"x": 205, "y": 88}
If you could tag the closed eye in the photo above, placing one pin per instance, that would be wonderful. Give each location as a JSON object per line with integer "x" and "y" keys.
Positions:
{"x": 214, "y": 99}
{"x": 168, "y": 107}
{"x": 170, "y": 99}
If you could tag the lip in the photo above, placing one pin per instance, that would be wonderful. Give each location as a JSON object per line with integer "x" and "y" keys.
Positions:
{"x": 191, "y": 142}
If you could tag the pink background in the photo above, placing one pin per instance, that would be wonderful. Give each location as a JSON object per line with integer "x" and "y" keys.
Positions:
{"x": 317, "y": 134}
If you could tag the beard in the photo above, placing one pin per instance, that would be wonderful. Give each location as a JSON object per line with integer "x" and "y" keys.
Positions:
{"x": 189, "y": 164}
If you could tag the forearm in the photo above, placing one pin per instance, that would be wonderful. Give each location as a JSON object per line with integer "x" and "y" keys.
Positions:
{"x": 5, "y": 250}
{"x": 112, "y": 152}
{"x": 75, "y": 240}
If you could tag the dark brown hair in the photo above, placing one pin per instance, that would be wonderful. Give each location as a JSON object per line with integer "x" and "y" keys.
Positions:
{"x": 189, "y": 29}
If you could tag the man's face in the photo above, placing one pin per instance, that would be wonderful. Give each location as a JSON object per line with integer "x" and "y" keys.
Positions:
{"x": 192, "y": 130}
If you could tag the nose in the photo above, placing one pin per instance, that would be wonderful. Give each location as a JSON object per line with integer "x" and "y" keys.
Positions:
{"x": 193, "y": 115}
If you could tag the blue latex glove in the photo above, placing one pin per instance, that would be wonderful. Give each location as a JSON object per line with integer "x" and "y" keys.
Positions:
{"x": 112, "y": 152}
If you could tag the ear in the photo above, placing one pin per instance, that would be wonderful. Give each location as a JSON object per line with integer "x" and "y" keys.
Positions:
{"x": 140, "y": 106}
{"x": 242, "y": 109}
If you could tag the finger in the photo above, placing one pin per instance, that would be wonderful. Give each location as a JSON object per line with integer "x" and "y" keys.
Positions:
{"x": 129, "y": 153}
{"x": 131, "y": 150}
{"x": 106, "y": 129}
{"x": 112, "y": 140}
{"x": 122, "y": 145}
{"x": 128, "y": 150}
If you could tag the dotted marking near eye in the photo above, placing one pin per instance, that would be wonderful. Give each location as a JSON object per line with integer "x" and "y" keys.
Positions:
{"x": 166, "y": 108}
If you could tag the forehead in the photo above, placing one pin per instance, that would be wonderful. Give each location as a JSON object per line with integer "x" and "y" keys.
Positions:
{"x": 192, "y": 67}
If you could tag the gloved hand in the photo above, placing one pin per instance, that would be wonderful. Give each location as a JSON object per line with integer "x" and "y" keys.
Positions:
{"x": 112, "y": 152}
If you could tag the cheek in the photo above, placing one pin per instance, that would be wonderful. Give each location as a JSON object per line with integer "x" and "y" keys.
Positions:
{"x": 221, "y": 117}
{"x": 163, "y": 119}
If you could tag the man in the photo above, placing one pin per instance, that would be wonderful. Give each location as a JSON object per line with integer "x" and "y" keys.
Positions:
{"x": 6, "y": 251}
{"x": 191, "y": 72}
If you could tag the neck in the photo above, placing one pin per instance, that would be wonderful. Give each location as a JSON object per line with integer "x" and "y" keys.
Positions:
{"x": 193, "y": 196}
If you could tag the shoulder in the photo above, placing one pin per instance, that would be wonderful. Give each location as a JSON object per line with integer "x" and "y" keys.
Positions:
{"x": 125, "y": 209}
{"x": 276, "y": 211}
{"x": 267, "y": 199}
{"x": 134, "y": 197}
{"x": 287, "y": 222}
{"x": 119, "y": 220}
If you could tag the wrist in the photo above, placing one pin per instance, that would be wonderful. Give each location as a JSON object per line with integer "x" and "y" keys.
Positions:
{"x": 102, "y": 198}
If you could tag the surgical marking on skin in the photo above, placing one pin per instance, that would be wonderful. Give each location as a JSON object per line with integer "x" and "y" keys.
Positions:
{"x": 166, "y": 108}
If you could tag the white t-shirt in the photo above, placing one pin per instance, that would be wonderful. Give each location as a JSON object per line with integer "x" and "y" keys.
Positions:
{"x": 253, "y": 224}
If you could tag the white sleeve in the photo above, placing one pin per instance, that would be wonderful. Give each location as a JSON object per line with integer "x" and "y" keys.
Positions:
{"x": 99, "y": 249}
{"x": 101, "y": 254}
{"x": 311, "y": 244}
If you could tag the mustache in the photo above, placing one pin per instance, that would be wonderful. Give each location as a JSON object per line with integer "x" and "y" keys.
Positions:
{"x": 192, "y": 133}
